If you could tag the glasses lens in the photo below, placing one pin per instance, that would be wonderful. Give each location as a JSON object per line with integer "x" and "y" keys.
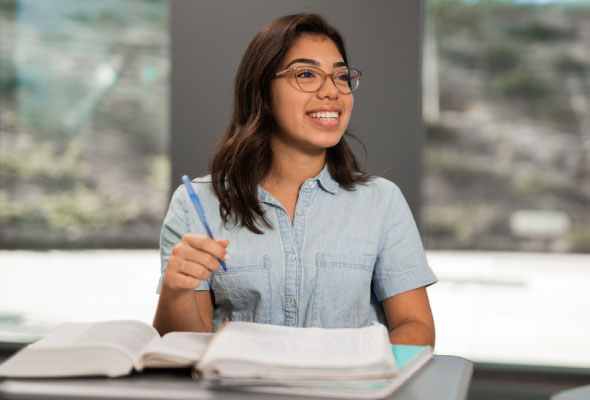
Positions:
{"x": 346, "y": 80}
{"x": 354, "y": 77}
{"x": 308, "y": 78}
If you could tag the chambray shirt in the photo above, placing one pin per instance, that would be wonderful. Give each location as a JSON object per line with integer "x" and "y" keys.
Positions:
{"x": 344, "y": 253}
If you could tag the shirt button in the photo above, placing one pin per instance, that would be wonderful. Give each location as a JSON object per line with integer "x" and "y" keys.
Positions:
{"x": 292, "y": 303}
{"x": 292, "y": 256}
{"x": 298, "y": 212}
{"x": 311, "y": 184}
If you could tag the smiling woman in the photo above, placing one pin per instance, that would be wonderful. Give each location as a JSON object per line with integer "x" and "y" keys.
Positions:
{"x": 264, "y": 105}
{"x": 281, "y": 180}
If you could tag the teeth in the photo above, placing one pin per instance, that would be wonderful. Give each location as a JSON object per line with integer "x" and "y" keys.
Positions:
{"x": 326, "y": 115}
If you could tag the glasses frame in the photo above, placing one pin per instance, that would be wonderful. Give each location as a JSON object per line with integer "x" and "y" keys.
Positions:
{"x": 324, "y": 75}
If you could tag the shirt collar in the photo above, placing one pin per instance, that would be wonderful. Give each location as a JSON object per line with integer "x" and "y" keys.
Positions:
{"x": 324, "y": 178}
{"x": 264, "y": 196}
{"x": 326, "y": 181}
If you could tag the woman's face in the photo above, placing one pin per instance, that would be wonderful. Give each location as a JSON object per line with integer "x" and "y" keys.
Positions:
{"x": 310, "y": 122}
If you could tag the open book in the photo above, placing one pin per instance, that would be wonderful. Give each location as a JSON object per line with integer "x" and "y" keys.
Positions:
{"x": 109, "y": 348}
{"x": 338, "y": 363}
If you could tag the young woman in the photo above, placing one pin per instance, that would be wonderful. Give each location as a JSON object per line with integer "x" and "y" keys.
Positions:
{"x": 313, "y": 240}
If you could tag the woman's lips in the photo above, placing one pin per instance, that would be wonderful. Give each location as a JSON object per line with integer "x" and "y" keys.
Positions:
{"x": 325, "y": 119}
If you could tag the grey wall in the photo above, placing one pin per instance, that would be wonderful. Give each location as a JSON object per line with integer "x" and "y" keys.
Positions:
{"x": 383, "y": 40}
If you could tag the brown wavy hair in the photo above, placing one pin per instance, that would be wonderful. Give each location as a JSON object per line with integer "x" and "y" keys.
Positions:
{"x": 244, "y": 156}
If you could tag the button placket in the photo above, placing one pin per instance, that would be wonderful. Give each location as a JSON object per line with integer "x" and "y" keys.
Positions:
{"x": 306, "y": 194}
{"x": 289, "y": 246}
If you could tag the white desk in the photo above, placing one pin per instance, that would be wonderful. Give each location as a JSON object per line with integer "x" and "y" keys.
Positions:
{"x": 580, "y": 393}
{"x": 444, "y": 377}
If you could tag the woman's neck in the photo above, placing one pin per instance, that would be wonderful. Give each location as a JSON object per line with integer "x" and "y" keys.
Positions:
{"x": 291, "y": 169}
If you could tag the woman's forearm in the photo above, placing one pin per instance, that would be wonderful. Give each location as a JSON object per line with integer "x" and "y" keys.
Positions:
{"x": 413, "y": 332}
{"x": 178, "y": 311}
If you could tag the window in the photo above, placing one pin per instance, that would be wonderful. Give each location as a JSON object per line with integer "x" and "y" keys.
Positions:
{"x": 507, "y": 95}
{"x": 83, "y": 155}
{"x": 507, "y": 176}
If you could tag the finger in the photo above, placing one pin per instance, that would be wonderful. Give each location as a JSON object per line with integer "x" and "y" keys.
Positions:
{"x": 175, "y": 261}
{"x": 205, "y": 243}
{"x": 195, "y": 270}
{"x": 189, "y": 253}
{"x": 224, "y": 242}
{"x": 176, "y": 279}
{"x": 187, "y": 282}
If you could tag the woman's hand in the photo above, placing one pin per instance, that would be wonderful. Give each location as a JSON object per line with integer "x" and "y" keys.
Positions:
{"x": 192, "y": 261}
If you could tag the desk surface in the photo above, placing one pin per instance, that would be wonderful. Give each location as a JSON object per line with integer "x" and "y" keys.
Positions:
{"x": 444, "y": 377}
{"x": 580, "y": 393}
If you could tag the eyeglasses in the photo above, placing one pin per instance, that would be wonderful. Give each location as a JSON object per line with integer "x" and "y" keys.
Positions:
{"x": 311, "y": 79}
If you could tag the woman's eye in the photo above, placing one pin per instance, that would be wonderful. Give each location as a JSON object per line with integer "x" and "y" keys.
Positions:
{"x": 307, "y": 74}
{"x": 342, "y": 76}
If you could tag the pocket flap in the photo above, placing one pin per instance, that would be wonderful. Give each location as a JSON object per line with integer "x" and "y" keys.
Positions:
{"x": 245, "y": 264}
{"x": 361, "y": 261}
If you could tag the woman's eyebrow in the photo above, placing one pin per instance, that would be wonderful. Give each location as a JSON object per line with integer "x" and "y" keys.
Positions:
{"x": 304, "y": 61}
{"x": 313, "y": 62}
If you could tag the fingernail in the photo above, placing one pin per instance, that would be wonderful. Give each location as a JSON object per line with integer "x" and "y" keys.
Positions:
{"x": 226, "y": 257}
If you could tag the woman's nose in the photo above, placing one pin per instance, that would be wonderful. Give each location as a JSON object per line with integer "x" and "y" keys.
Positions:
{"x": 328, "y": 90}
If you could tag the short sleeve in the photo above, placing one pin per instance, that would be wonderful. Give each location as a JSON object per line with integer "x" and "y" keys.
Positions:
{"x": 175, "y": 226}
{"x": 401, "y": 264}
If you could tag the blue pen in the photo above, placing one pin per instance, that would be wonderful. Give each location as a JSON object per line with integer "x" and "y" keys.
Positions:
{"x": 200, "y": 210}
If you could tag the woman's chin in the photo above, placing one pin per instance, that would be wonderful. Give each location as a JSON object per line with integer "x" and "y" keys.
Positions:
{"x": 326, "y": 143}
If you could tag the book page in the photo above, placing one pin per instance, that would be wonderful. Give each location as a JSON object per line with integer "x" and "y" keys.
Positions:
{"x": 127, "y": 335}
{"x": 176, "y": 349}
{"x": 242, "y": 349}
{"x": 338, "y": 389}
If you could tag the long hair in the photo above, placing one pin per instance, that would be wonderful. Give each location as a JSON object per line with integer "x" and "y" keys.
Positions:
{"x": 244, "y": 156}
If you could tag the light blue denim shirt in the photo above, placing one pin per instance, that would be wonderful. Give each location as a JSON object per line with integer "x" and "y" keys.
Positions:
{"x": 344, "y": 253}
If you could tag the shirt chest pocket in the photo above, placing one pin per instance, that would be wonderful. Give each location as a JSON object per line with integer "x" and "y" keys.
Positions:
{"x": 343, "y": 290}
{"x": 243, "y": 293}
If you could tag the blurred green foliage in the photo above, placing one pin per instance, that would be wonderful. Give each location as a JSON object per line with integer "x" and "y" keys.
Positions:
{"x": 464, "y": 223}
{"x": 8, "y": 77}
{"x": 520, "y": 83}
{"x": 82, "y": 206}
{"x": 537, "y": 184}
{"x": 457, "y": 168}
{"x": 502, "y": 57}
{"x": 73, "y": 200}
{"x": 8, "y": 6}
{"x": 437, "y": 131}
{"x": 579, "y": 238}
{"x": 17, "y": 213}
{"x": 538, "y": 31}
{"x": 31, "y": 160}
{"x": 568, "y": 64}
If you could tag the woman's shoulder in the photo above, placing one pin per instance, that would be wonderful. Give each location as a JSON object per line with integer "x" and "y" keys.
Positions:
{"x": 201, "y": 185}
{"x": 380, "y": 186}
